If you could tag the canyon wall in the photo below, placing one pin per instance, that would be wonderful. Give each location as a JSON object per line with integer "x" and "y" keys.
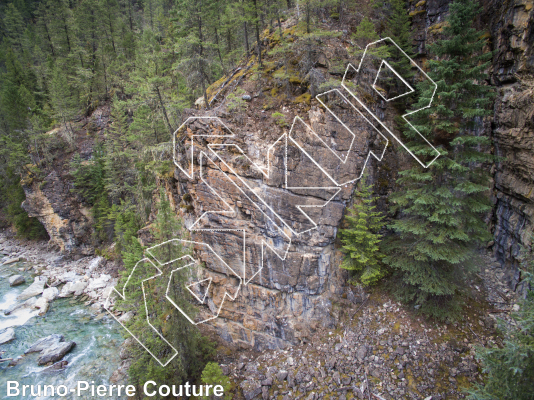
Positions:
{"x": 512, "y": 73}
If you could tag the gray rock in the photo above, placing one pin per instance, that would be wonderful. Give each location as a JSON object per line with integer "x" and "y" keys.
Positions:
{"x": 55, "y": 353}
{"x": 16, "y": 280}
{"x": 44, "y": 343}
{"x": 15, "y": 361}
{"x": 281, "y": 375}
{"x": 250, "y": 389}
{"x": 361, "y": 353}
{"x": 35, "y": 289}
{"x": 335, "y": 377}
{"x": 50, "y": 294}
{"x": 356, "y": 391}
{"x": 267, "y": 382}
{"x": 290, "y": 380}
{"x": 246, "y": 97}
{"x": 7, "y": 335}
{"x": 126, "y": 317}
{"x": 59, "y": 366}
{"x": 26, "y": 304}
{"x": 14, "y": 260}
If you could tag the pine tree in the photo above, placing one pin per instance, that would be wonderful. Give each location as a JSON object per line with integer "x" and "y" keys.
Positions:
{"x": 365, "y": 34}
{"x": 435, "y": 239}
{"x": 63, "y": 101}
{"x": 361, "y": 239}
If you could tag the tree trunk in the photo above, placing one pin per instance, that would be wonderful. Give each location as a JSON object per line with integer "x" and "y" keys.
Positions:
{"x": 279, "y": 23}
{"x": 66, "y": 32}
{"x": 246, "y": 36}
{"x": 256, "y": 20}
{"x": 218, "y": 48}
{"x": 164, "y": 110}
{"x": 308, "y": 12}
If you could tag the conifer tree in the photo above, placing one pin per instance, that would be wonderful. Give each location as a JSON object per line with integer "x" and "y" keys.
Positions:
{"x": 365, "y": 34}
{"x": 436, "y": 237}
{"x": 361, "y": 239}
{"x": 185, "y": 337}
{"x": 213, "y": 375}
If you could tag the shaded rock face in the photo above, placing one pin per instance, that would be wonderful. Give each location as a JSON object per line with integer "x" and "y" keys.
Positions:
{"x": 512, "y": 30}
{"x": 65, "y": 216}
{"x": 68, "y": 224}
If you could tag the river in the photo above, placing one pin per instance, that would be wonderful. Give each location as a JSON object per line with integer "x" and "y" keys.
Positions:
{"x": 97, "y": 336}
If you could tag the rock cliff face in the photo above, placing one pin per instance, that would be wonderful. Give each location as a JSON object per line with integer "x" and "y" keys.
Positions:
{"x": 512, "y": 33}
{"x": 68, "y": 224}
{"x": 245, "y": 200}
{"x": 510, "y": 25}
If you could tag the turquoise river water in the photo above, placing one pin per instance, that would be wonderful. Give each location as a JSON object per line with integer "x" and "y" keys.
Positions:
{"x": 98, "y": 339}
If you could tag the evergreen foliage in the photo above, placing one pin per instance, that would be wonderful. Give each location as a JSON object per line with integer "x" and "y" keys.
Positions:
{"x": 194, "y": 349}
{"x": 441, "y": 224}
{"x": 398, "y": 29}
{"x": 361, "y": 239}
{"x": 213, "y": 375}
{"x": 510, "y": 369}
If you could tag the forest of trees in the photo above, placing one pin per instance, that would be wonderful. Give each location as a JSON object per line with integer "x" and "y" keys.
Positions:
{"x": 148, "y": 60}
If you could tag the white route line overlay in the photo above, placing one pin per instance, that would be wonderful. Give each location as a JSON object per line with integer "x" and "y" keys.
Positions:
{"x": 266, "y": 172}
{"x": 343, "y": 83}
{"x": 107, "y": 304}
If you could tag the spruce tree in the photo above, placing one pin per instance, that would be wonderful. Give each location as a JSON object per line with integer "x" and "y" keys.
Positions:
{"x": 361, "y": 239}
{"x": 435, "y": 240}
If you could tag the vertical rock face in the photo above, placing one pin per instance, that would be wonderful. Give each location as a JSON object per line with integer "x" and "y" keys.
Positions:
{"x": 68, "y": 224}
{"x": 253, "y": 221}
{"x": 512, "y": 31}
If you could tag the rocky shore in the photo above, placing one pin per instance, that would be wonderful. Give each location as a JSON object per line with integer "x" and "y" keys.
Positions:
{"x": 55, "y": 276}
{"x": 378, "y": 349}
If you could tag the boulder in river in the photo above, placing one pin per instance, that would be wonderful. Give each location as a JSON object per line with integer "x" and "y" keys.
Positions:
{"x": 55, "y": 353}
{"x": 50, "y": 293}
{"x": 16, "y": 280}
{"x": 26, "y": 304}
{"x": 75, "y": 288}
{"x": 59, "y": 366}
{"x": 35, "y": 289}
{"x": 42, "y": 305}
{"x": 45, "y": 343}
{"x": 7, "y": 335}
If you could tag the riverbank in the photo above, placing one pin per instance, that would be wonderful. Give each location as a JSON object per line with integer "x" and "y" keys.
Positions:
{"x": 74, "y": 292}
